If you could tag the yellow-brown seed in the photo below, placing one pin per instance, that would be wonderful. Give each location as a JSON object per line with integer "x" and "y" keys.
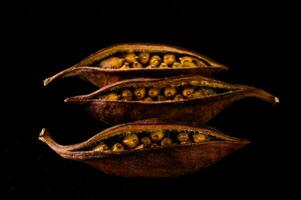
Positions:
{"x": 208, "y": 91}
{"x": 101, "y": 148}
{"x": 136, "y": 65}
{"x": 178, "y": 97}
{"x": 188, "y": 61}
{"x": 169, "y": 59}
{"x": 139, "y": 93}
{"x": 125, "y": 65}
{"x": 112, "y": 97}
{"x": 117, "y": 147}
{"x": 161, "y": 98}
{"x": 157, "y": 135}
{"x": 111, "y": 63}
{"x": 144, "y": 57}
{"x": 153, "y": 92}
{"x": 127, "y": 94}
{"x": 155, "y": 61}
{"x": 131, "y": 57}
{"x": 146, "y": 141}
{"x": 166, "y": 141}
{"x": 170, "y": 92}
{"x": 141, "y": 146}
{"x": 148, "y": 99}
{"x": 198, "y": 137}
{"x": 177, "y": 65}
{"x": 163, "y": 65}
{"x": 197, "y": 94}
{"x": 187, "y": 91}
{"x": 131, "y": 140}
{"x": 183, "y": 137}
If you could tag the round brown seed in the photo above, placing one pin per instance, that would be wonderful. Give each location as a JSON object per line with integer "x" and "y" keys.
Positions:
{"x": 157, "y": 135}
{"x": 146, "y": 141}
{"x": 131, "y": 140}
{"x": 112, "y": 97}
{"x": 153, "y": 92}
{"x": 127, "y": 94}
{"x": 198, "y": 137}
{"x": 155, "y": 61}
{"x": 144, "y": 57}
{"x": 131, "y": 57}
{"x": 101, "y": 147}
{"x": 117, "y": 147}
{"x": 178, "y": 97}
{"x": 170, "y": 92}
{"x": 183, "y": 137}
{"x": 166, "y": 141}
{"x": 148, "y": 99}
{"x": 187, "y": 91}
{"x": 169, "y": 59}
{"x": 136, "y": 65}
{"x": 139, "y": 93}
{"x": 111, "y": 63}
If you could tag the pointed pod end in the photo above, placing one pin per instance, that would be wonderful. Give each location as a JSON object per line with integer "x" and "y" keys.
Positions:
{"x": 42, "y": 134}
{"x": 46, "y": 81}
{"x": 276, "y": 100}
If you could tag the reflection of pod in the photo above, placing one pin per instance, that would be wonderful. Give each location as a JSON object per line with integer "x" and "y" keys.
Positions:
{"x": 92, "y": 69}
{"x": 200, "y": 109}
{"x": 160, "y": 161}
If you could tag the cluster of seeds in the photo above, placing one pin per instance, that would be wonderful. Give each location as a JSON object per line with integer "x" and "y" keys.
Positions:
{"x": 149, "y": 61}
{"x": 141, "y": 140}
{"x": 159, "y": 94}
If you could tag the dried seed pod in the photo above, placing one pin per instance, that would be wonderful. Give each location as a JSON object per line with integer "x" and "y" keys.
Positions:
{"x": 146, "y": 141}
{"x": 170, "y": 92}
{"x": 158, "y": 161}
{"x": 101, "y": 147}
{"x": 155, "y": 61}
{"x": 153, "y": 92}
{"x": 179, "y": 97}
{"x": 136, "y": 65}
{"x": 131, "y": 58}
{"x": 166, "y": 141}
{"x": 111, "y": 69}
{"x": 112, "y": 97}
{"x": 199, "y": 110}
{"x": 183, "y": 137}
{"x": 144, "y": 57}
{"x": 157, "y": 136}
{"x": 127, "y": 94}
{"x": 139, "y": 93}
{"x": 117, "y": 147}
{"x": 169, "y": 59}
{"x": 188, "y": 91}
{"x": 131, "y": 141}
{"x": 198, "y": 137}
{"x": 112, "y": 62}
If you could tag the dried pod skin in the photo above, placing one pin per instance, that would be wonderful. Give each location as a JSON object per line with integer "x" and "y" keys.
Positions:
{"x": 126, "y": 61}
{"x": 198, "y": 109}
{"x": 164, "y": 160}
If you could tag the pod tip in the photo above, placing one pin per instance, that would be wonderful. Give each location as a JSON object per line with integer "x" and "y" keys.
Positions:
{"x": 45, "y": 82}
{"x": 276, "y": 100}
{"x": 42, "y": 134}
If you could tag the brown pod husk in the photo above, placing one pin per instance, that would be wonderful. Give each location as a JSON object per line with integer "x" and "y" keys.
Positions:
{"x": 103, "y": 74}
{"x": 155, "y": 161}
{"x": 198, "y": 109}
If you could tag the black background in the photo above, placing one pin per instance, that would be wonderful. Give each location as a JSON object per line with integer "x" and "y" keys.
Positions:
{"x": 40, "y": 39}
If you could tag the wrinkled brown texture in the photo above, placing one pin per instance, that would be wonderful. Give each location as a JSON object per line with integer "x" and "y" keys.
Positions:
{"x": 198, "y": 110}
{"x": 167, "y": 161}
{"x": 101, "y": 76}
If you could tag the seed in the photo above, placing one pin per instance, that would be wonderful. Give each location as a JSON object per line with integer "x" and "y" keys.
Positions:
{"x": 131, "y": 57}
{"x": 188, "y": 61}
{"x": 125, "y": 65}
{"x": 136, "y": 65}
{"x": 111, "y": 63}
{"x": 127, "y": 94}
{"x": 161, "y": 98}
{"x": 197, "y": 94}
{"x": 141, "y": 146}
{"x": 153, "y": 92}
{"x": 131, "y": 140}
{"x": 148, "y": 99}
{"x": 166, "y": 141}
{"x": 139, "y": 93}
{"x": 183, "y": 137}
{"x": 157, "y": 135}
{"x": 198, "y": 137}
{"x": 176, "y": 65}
{"x": 112, "y": 97}
{"x": 154, "y": 145}
{"x": 146, "y": 141}
{"x": 178, "y": 97}
{"x": 187, "y": 92}
{"x": 155, "y": 61}
{"x": 117, "y": 147}
{"x": 169, "y": 59}
{"x": 170, "y": 92}
{"x": 208, "y": 91}
{"x": 163, "y": 65}
{"x": 101, "y": 147}
{"x": 144, "y": 57}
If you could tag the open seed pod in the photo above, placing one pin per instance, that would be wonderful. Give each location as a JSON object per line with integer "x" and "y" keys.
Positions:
{"x": 135, "y": 99}
{"x": 126, "y": 61}
{"x": 121, "y": 150}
